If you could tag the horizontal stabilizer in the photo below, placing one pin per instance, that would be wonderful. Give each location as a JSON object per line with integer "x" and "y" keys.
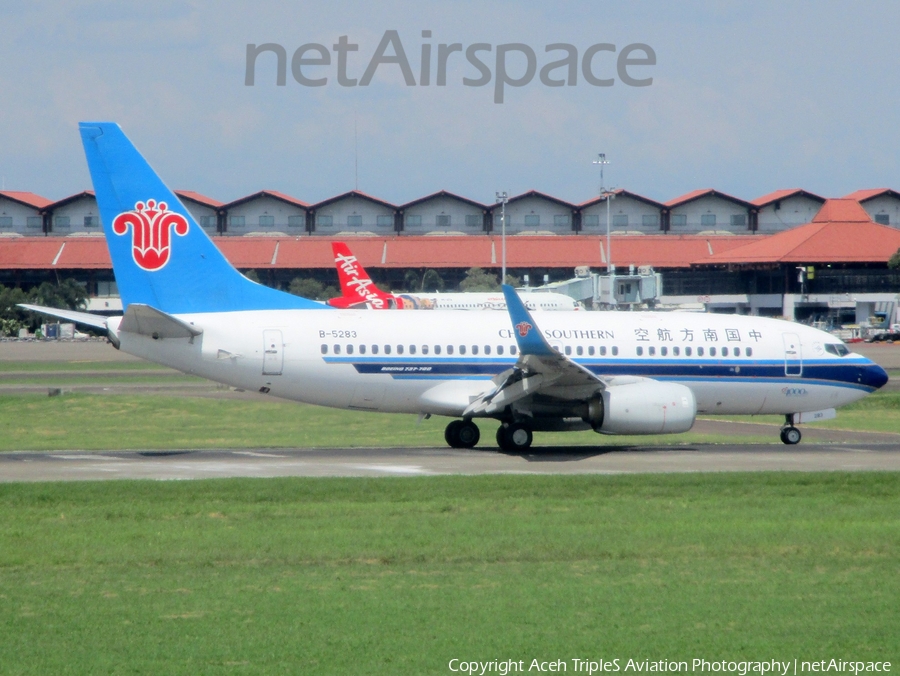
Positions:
{"x": 97, "y": 321}
{"x": 148, "y": 321}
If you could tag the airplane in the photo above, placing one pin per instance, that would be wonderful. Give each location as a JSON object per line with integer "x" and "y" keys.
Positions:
{"x": 358, "y": 290}
{"x": 186, "y": 307}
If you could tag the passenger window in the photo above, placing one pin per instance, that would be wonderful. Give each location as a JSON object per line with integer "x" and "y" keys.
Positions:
{"x": 663, "y": 351}
{"x": 349, "y": 349}
{"x": 474, "y": 349}
{"x": 362, "y": 349}
{"x": 724, "y": 351}
{"x": 603, "y": 350}
{"x": 651, "y": 350}
{"x": 640, "y": 350}
{"x": 374, "y": 349}
{"x": 737, "y": 352}
{"x": 487, "y": 349}
{"x": 449, "y": 349}
{"x": 568, "y": 349}
{"x": 591, "y": 350}
{"x": 399, "y": 349}
{"x": 324, "y": 349}
{"x": 499, "y": 349}
{"x": 387, "y": 349}
{"x": 437, "y": 349}
{"x": 424, "y": 349}
{"x": 676, "y": 351}
{"x": 513, "y": 350}
{"x": 712, "y": 352}
{"x": 699, "y": 351}
{"x": 749, "y": 351}
{"x": 337, "y": 349}
{"x": 579, "y": 350}
{"x": 462, "y": 349}
{"x": 687, "y": 351}
{"x": 615, "y": 350}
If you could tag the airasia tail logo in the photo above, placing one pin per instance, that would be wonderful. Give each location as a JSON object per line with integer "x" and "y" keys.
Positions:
{"x": 151, "y": 227}
{"x": 523, "y": 328}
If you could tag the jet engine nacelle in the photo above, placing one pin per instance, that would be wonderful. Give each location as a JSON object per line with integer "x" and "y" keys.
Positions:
{"x": 646, "y": 407}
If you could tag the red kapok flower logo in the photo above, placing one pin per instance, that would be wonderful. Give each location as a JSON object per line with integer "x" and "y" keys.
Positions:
{"x": 151, "y": 226}
{"x": 523, "y": 328}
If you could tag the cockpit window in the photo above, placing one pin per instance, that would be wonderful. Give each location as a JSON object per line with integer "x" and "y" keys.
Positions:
{"x": 838, "y": 349}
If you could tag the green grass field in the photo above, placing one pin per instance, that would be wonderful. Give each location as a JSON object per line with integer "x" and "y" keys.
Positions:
{"x": 398, "y": 576}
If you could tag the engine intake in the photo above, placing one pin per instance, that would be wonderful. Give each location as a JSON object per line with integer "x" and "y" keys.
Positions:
{"x": 648, "y": 407}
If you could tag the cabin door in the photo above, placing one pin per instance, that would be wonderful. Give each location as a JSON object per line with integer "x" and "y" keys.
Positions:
{"x": 793, "y": 356}
{"x": 273, "y": 354}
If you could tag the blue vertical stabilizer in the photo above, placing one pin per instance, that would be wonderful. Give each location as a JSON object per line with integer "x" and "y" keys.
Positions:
{"x": 160, "y": 255}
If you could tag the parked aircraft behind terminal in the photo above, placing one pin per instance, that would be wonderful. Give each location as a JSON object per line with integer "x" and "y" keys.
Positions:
{"x": 614, "y": 372}
{"x": 358, "y": 290}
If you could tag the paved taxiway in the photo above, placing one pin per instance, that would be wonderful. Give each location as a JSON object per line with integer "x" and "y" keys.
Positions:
{"x": 204, "y": 464}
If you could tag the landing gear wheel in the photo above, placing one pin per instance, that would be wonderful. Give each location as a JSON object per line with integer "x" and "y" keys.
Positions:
{"x": 514, "y": 437}
{"x": 462, "y": 434}
{"x": 790, "y": 436}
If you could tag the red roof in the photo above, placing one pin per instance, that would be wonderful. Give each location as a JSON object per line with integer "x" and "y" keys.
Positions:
{"x": 625, "y": 193}
{"x": 704, "y": 192}
{"x": 27, "y": 198}
{"x": 777, "y": 195}
{"x": 268, "y": 193}
{"x": 71, "y": 198}
{"x": 841, "y": 232}
{"x": 863, "y": 195}
{"x": 197, "y": 197}
{"x": 47, "y": 253}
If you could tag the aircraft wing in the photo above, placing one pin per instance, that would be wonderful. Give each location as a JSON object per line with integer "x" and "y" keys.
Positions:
{"x": 97, "y": 321}
{"x": 540, "y": 368}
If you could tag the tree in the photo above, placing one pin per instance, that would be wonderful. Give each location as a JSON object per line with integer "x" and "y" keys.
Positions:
{"x": 894, "y": 261}
{"x": 311, "y": 288}
{"x": 252, "y": 276}
{"x": 429, "y": 281}
{"x": 12, "y": 318}
{"x": 479, "y": 280}
{"x": 69, "y": 294}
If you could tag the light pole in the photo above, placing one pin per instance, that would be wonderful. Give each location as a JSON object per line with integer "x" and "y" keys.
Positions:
{"x": 502, "y": 200}
{"x": 602, "y": 161}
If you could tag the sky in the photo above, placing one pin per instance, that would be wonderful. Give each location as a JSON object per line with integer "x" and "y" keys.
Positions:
{"x": 745, "y": 97}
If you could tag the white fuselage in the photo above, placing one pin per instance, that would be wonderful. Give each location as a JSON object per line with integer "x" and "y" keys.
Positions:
{"x": 387, "y": 361}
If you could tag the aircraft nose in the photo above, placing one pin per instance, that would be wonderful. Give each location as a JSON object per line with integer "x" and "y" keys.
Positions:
{"x": 873, "y": 376}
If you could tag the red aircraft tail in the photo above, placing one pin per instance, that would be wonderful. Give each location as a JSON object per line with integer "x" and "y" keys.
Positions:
{"x": 356, "y": 285}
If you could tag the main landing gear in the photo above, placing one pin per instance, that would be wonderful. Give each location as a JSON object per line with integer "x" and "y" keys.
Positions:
{"x": 514, "y": 437}
{"x": 462, "y": 434}
{"x": 790, "y": 435}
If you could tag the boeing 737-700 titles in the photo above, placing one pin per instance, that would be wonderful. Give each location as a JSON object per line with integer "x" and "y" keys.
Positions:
{"x": 614, "y": 372}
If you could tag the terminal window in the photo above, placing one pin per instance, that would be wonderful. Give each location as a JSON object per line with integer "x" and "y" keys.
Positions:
{"x": 884, "y": 219}
{"x": 650, "y": 220}
{"x": 296, "y": 221}
{"x": 324, "y": 221}
{"x": 90, "y": 221}
{"x": 33, "y": 222}
{"x": 5, "y": 221}
{"x": 443, "y": 220}
{"x": 414, "y": 221}
{"x": 266, "y": 221}
{"x": 532, "y": 220}
{"x": 355, "y": 220}
{"x": 739, "y": 219}
{"x": 561, "y": 220}
{"x": 207, "y": 221}
{"x": 708, "y": 220}
{"x": 591, "y": 220}
{"x": 620, "y": 221}
{"x": 679, "y": 219}
{"x": 384, "y": 221}
{"x": 472, "y": 221}
{"x": 236, "y": 221}
{"x": 61, "y": 221}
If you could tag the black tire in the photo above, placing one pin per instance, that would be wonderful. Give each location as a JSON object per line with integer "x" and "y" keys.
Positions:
{"x": 451, "y": 434}
{"x": 791, "y": 436}
{"x": 516, "y": 437}
{"x": 468, "y": 434}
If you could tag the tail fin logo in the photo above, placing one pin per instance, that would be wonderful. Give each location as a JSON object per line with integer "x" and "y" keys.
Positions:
{"x": 523, "y": 328}
{"x": 151, "y": 227}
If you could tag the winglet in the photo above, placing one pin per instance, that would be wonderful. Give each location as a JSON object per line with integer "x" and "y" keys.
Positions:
{"x": 525, "y": 329}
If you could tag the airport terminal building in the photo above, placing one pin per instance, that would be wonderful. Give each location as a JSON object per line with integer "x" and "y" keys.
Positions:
{"x": 790, "y": 252}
